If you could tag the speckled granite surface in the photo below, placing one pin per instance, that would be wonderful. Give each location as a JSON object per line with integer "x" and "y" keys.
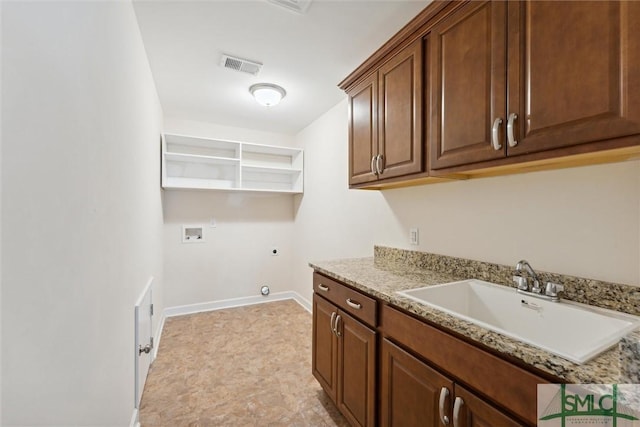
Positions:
{"x": 392, "y": 270}
{"x": 613, "y": 296}
{"x": 630, "y": 358}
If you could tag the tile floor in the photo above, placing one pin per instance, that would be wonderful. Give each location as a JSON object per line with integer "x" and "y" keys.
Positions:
{"x": 246, "y": 366}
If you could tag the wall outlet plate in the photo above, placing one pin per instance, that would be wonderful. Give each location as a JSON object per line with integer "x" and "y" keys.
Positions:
{"x": 192, "y": 234}
{"x": 414, "y": 236}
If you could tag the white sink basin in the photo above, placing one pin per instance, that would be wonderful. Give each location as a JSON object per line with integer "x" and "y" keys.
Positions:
{"x": 574, "y": 331}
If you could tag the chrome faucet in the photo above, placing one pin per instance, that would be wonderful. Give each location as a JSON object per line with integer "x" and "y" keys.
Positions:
{"x": 522, "y": 281}
{"x": 550, "y": 292}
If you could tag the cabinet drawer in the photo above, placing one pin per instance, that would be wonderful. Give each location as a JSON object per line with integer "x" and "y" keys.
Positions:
{"x": 347, "y": 299}
{"x": 507, "y": 385}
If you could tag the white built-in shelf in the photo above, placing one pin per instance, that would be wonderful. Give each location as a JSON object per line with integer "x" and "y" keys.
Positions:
{"x": 210, "y": 164}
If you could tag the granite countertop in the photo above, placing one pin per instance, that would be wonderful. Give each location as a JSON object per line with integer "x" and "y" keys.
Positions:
{"x": 394, "y": 270}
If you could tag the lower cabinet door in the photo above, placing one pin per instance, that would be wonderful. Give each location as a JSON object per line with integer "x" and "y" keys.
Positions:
{"x": 471, "y": 411}
{"x": 411, "y": 391}
{"x": 356, "y": 371}
{"x": 324, "y": 354}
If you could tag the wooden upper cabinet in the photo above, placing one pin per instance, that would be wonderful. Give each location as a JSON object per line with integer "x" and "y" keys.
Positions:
{"x": 481, "y": 88}
{"x": 385, "y": 119}
{"x": 400, "y": 113}
{"x": 548, "y": 76}
{"x": 574, "y": 72}
{"x": 468, "y": 84}
{"x": 363, "y": 130}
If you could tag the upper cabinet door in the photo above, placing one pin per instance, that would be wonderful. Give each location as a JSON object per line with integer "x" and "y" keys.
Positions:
{"x": 468, "y": 85}
{"x": 363, "y": 130}
{"x": 574, "y": 73}
{"x": 400, "y": 140}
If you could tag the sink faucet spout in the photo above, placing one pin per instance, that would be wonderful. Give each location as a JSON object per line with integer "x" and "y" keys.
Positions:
{"x": 550, "y": 292}
{"x": 524, "y": 265}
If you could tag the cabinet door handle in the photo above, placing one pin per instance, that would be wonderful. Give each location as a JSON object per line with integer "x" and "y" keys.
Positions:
{"x": 379, "y": 168}
{"x": 444, "y": 393}
{"x": 373, "y": 165}
{"x": 456, "y": 411}
{"x": 323, "y": 288}
{"x": 354, "y": 304}
{"x": 338, "y": 318}
{"x": 333, "y": 318}
{"x": 494, "y": 134}
{"x": 510, "y": 137}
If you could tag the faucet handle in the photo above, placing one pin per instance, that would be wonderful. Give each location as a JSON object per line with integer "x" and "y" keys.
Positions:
{"x": 521, "y": 282}
{"x": 552, "y": 289}
{"x": 536, "y": 287}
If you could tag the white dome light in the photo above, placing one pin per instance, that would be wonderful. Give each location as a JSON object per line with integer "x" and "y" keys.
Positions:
{"x": 267, "y": 94}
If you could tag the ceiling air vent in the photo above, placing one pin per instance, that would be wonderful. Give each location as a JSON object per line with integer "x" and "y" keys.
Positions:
{"x": 299, "y": 6}
{"x": 239, "y": 64}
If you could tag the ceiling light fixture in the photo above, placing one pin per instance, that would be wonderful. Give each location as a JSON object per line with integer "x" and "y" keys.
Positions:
{"x": 267, "y": 94}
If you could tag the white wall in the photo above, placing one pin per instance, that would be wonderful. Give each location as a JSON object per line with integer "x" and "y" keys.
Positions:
{"x": 582, "y": 221}
{"x": 1, "y": 133}
{"x": 81, "y": 209}
{"x": 235, "y": 260}
{"x": 331, "y": 220}
{"x": 183, "y": 126}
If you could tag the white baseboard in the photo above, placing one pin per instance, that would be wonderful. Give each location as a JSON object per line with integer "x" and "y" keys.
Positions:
{"x": 134, "y": 419}
{"x": 236, "y": 302}
{"x": 305, "y": 303}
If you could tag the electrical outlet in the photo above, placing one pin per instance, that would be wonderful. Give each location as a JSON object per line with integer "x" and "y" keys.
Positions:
{"x": 413, "y": 236}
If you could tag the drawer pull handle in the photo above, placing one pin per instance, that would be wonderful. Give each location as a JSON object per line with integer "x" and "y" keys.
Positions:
{"x": 456, "y": 411}
{"x": 444, "y": 393}
{"x": 354, "y": 304}
{"x": 373, "y": 165}
{"x": 337, "y": 329}
{"x": 323, "y": 288}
